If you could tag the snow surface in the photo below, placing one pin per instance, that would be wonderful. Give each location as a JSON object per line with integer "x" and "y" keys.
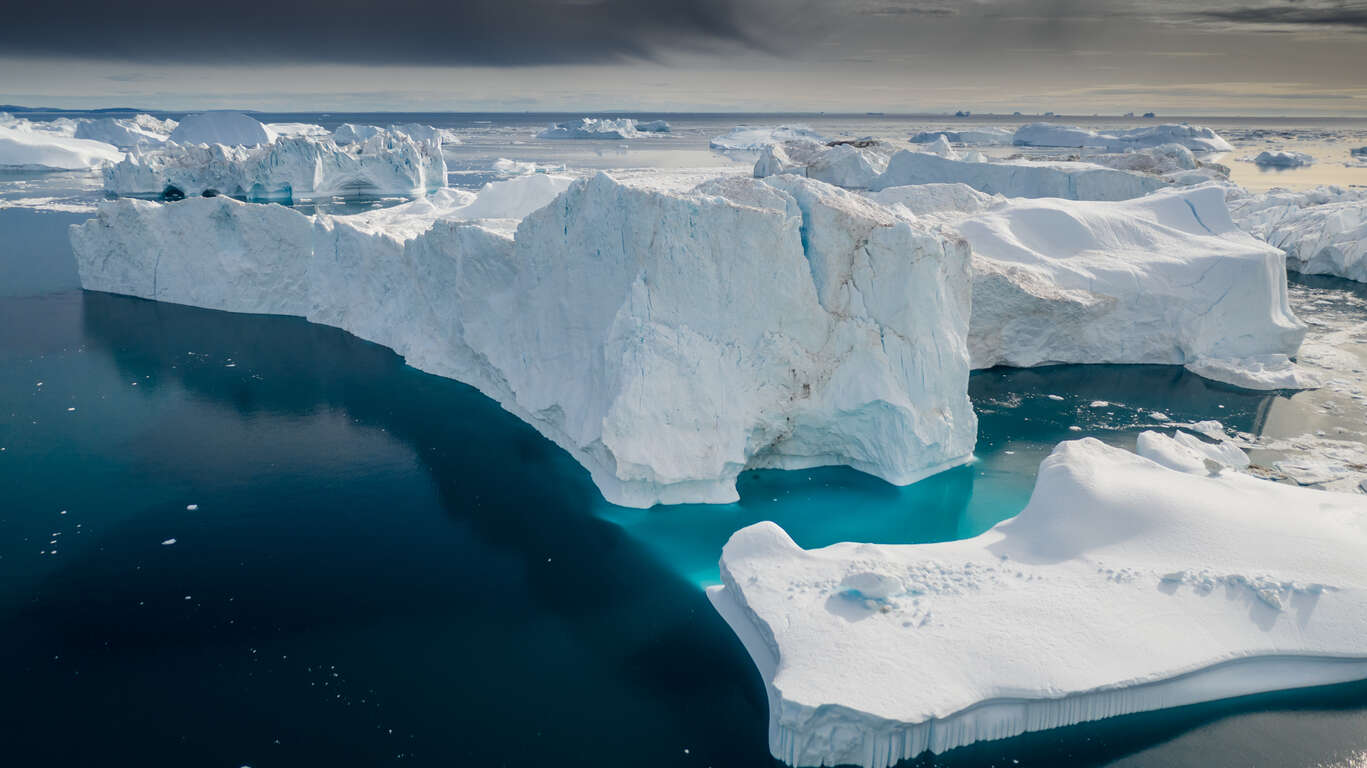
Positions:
{"x": 285, "y": 169}
{"x": 1124, "y": 586}
{"x": 1166, "y": 278}
{"x": 621, "y": 322}
{"x": 1017, "y": 178}
{"x": 594, "y": 128}
{"x": 746, "y": 138}
{"x": 1194, "y": 137}
{"x": 1283, "y": 159}
{"x": 23, "y": 146}
{"x": 233, "y": 129}
{"x": 1323, "y": 231}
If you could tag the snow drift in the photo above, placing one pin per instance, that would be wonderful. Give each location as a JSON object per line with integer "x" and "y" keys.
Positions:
{"x": 622, "y": 323}
{"x": 1124, "y": 586}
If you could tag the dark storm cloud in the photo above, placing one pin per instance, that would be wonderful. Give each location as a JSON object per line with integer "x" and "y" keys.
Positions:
{"x": 487, "y": 32}
{"x": 1305, "y": 13}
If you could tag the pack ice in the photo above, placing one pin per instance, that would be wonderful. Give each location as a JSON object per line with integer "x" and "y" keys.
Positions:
{"x": 1125, "y": 585}
{"x": 1323, "y": 231}
{"x": 623, "y": 323}
{"x": 1193, "y": 137}
{"x": 284, "y": 169}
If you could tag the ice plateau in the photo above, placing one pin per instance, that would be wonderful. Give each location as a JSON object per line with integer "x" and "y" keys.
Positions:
{"x": 620, "y": 322}
{"x": 1125, "y": 585}
{"x": 233, "y": 129}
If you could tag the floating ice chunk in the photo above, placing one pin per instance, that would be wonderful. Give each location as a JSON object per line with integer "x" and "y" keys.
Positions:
{"x": 1245, "y": 586}
{"x": 168, "y": 542}
{"x": 1018, "y": 178}
{"x": 232, "y": 129}
{"x": 422, "y": 132}
{"x": 940, "y": 147}
{"x": 1270, "y": 371}
{"x": 754, "y": 138}
{"x": 23, "y": 147}
{"x": 981, "y": 136}
{"x": 1283, "y": 159}
{"x": 1163, "y": 159}
{"x": 1194, "y": 137}
{"x": 1323, "y": 230}
{"x": 593, "y": 128}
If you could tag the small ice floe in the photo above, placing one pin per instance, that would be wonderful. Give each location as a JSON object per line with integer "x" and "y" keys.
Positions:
{"x": 1283, "y": 159}
{"x": 1055, "y": 397}
{"x": 1159, "y": 416}
{"x": 1100, "y": 404}
{"x": 191, "y": 507}
{"x": 168, "y": 542}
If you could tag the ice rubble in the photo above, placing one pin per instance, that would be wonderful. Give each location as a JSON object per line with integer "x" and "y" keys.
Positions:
{"x": 1323, "y": 231}
{"x": 978, "y": 136}
{"x": 1166, "y": 278}
{"x": 233, "y": 129}
{"x": 620, "y": 322}
{"x": 746, "y": 138}
{"x": 285, "y": 169}
{"x": 24, "y": 146}
{"x": 594, "y": 128}
{"x": 1194, "y": 137}
{"x": 1283, "y": 159}
{"x": 1124, "y": 586}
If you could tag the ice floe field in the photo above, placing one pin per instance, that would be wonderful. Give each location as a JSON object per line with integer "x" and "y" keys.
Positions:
{"x": 700, "y": 440}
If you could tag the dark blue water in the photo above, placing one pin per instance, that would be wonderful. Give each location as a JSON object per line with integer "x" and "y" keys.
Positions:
{"x": 383, "y": 567}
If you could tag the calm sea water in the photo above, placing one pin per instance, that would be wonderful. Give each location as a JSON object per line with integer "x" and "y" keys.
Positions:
{"x": 375, "y": 566}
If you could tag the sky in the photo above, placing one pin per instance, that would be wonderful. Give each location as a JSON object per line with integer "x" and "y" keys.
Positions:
{"x": 1081, "y": 57}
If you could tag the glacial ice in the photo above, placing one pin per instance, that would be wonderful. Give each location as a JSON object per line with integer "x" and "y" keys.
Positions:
{"x": 1194, "y": 137}
{"x": 1167, "y": 278}
{"x": 652, "y": 126}
{"x": 1323, "y": 231}
{"x": 1018, "y": 178}
{"x": 24, "y": 146}
{"x": 979, "y": 136}
{"x": 289, "y": 130}
{"x": 594, "y": 128}
{"x": 126, "y": 133}
{"x": 353, "y": 133}
{"x": 622, "y": 323}
{"x": 1283, "y": 159}
{"x": 233, "y": 129}
{"x": 746, "y": 138}
{"x": 1124, "y": 586}
{"x": 285, "y": 169}
{"x": 848, "y": 165}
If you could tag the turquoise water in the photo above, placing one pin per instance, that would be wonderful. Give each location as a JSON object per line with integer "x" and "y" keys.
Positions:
{"x": 383, "y": 567}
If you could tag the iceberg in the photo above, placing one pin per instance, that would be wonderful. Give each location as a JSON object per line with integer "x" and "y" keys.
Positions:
{"x": 745, "y": 138}
{"x": 853, "y": 165}
{"x": 623, "y": 323}
{"x": 652, "y": 126}
{"x": 1166, "y": 279}
{"x": 1323, "y": 231}
{"x": 286, "y": 169}
{"x": 1283, "y": 159}
{"x": 290, "y": 130}
{"x": 232, "y": 129}
{"x": 1193, "y": 137}
{"x": 593, "y": 128}
{"x": 353, "y": 133}
{"x": 22, "y": 146}
{"x": 125, "y": 133}
{"x": 1018, "y": 178}
{"x": 1124, "y": 586}
{"x": 980, "y": 136}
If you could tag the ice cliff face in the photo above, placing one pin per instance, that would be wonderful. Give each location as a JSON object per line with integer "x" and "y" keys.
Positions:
{"x": 1323, "y": 231}
{"x": 1126, "y": 585}
{"x": 667, "y": 341}
{"x": 285, "y": 169}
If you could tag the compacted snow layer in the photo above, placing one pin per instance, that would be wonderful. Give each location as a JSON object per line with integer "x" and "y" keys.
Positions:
{"x": 285, "y": 169}
{"x": 1323, "y": 231}
{"x": 668, "y": 341}
{"x": 1067, "y": 180}
{"x": 231, "y": 128}
{"x": 1124, "y": 586}
{"x": 1166, "y": 278}
{"x": 23, "y": 146}
{"x": 1193, "y": 137}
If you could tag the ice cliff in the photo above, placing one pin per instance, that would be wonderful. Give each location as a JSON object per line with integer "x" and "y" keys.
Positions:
{"x": 1124, "y": 586}
{"x": 623, "y": 323}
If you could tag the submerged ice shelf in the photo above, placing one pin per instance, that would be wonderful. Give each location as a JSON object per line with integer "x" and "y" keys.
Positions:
{"x": 1124, "y": 586}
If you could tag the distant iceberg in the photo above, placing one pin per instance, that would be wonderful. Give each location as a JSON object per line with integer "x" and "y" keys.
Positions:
{"x": 1018, "y": 178}
{"x": 979, "y": 136}
{"x": 652, "y": 126}
{"x": 354, "y": 133}
{"x": 1283, "y": 159}
{"x": 1193, "y": 137}
{"x": 233, "y": 129}
{"x": 1129, "y": 583}
{"x": 126, "y": 133}
{"x": 852, "y": 165}
{"x": 747, "y": 138}
{"x": 594, "y": 128}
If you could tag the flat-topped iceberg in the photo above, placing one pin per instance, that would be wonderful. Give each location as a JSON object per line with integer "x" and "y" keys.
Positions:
{"x": 1323, "y": 231}
{"x": 1017, "y": 178}
{"x": 1194, "y": 137}
{"x": 748, "y": 138}
{"x": 1166, "y": 278}
{"x": 285, "y": 169}
{"x": 594, "y": 128}
{"x": 233, "y": 129}
{"x": 23, "y": 146}
{"x": 967, "y": 136}
{"x": 1124, "y": 586}
{"x": 1283, "y": 159}
{"x": 623, "y": 323}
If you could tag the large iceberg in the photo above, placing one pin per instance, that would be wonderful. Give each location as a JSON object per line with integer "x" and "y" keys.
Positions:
{"x": 285, "y": 169}
{"x": 233, "y": 129}
{"x": 1166, "y": 278}
{"x": 126, "y": 133}
{"x": 1124, "y": 586}
{"x": 622, "y": 323}
{"x": 594, "y": 128}
{"x": 1017, "y": 178}
{"x": 24, "y": 146}
{"x": 1323, "y": 231}
{"x": 853, "y": 165}
{"x": 1194, "y": 137}
{"x": 747, "y": 138}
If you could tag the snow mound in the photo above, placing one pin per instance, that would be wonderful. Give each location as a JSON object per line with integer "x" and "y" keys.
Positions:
{"x": 1067, "y": 180}
{"x": 746, "y": 138}
{"x": 24, "y": 147}
{"x": 1166, "y": 278}
{"x": 1323, "y": 231}
{"x": 126, "y": 133}
{"x": 980, "y": 136}
{"x": 622, "y": 323}
{"x": 232, "y": 129}
{"x": 1283, "y": 159}
{"x": 1194, "y": 137}
{"x": 1243, "y": 586}
{"x": 286, "y": 169}
{"x": 593, "y": 128}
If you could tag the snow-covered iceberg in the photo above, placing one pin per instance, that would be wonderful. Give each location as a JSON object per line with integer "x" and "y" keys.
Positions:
{"x": 623, "y": 323}
{"x": 1124, "y": 586}
{"x": 233, "y": 129}
{"x": 285, "y": 169}
{"x": 967, "y": 136}
{"x": 23, "y": 146}
{"x": 1283, "y": 159}
{"x": 1194, "y": 137}
{"x": 853, "y": 165}
{"x": 594, "y": 128}
{"x": 747, "y": 138}
{"x": 1323, "y": 231}
{"x": 1017, "y": 178}
{"x": 126, "y": 133}
{"x": 1166, "y": 278}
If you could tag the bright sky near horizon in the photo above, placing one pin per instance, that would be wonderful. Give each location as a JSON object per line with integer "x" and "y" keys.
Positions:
{"x": 1195, "y": 57}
